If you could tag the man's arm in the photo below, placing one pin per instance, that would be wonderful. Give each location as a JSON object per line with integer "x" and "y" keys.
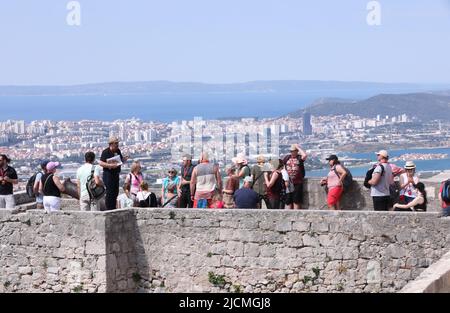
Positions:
{"x": 108, "y": 165}
{"x": 376, "y": 176}
{"x": 98, "y": 180}
{"x": 36, "y": 185}
{"x": 302, "y": 153}
{"x": 375, "y": 179}
{"x": 397, "y": 170}
{"x": 13, "y": 179}
{"x": 78, "y": 187}
{"x": 41, "y": 187}
{"x": 124, "y": 158}
{"x": 193, "y": 182}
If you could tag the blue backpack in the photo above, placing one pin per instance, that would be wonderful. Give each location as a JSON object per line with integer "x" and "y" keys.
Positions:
{"x": 445, "y": 194}
{"x": 202, "y": 204}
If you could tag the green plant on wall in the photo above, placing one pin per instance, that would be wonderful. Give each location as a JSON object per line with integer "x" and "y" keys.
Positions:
{"x": 237, "y": 289}
{"x": 217, "y": 280}
{"x": 136, "y": 277}
{"x": 78, "y": 289}
{"x": 306, "y": 279}
{"x": 316, "y": 272}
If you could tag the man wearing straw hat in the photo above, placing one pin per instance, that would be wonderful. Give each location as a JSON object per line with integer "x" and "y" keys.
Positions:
{"x": 295, "y": 166}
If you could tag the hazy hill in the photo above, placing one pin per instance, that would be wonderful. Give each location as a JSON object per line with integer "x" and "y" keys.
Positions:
{"x": 425, "y": 106}
{"x": 152, "y": 87}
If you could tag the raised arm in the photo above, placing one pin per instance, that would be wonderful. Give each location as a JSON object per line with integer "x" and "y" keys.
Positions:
{"x": 302, "y": 153}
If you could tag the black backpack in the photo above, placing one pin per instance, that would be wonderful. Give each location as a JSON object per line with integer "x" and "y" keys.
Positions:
{"x": 149, "y": 202}
{"x": 445, "y": 194}
{"x": 369, "y": 175}
{"x": 348, "y": 180}
{"x": 95, "y": 191}
{"x": 30, "y": 185}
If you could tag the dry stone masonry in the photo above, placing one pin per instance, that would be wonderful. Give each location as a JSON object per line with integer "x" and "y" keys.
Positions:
{"x": 164, "y": 250}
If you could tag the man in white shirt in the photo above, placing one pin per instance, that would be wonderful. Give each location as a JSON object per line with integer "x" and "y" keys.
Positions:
{"x": 83, "y": 174}
{"x": 382, "y": 178}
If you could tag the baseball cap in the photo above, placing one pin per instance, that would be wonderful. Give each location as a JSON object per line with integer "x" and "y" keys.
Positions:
{"x": 44, "y": 163}
{"x": 383, "y": 153}
{"x": 53, "y": 166}
{"x": 248, "y": 179}
{"x": 332, "y": 157}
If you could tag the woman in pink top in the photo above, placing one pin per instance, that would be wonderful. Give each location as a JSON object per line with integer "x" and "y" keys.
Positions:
{"x": 334, "y": 182}
{"x": 133, "y": 181}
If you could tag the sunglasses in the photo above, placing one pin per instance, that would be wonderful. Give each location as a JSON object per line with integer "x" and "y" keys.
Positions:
{"x": 172, "y": 172}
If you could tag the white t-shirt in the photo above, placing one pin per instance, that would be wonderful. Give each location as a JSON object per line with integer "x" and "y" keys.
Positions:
{"x": 382, "y": 188}
{"x": 83, "y": 174}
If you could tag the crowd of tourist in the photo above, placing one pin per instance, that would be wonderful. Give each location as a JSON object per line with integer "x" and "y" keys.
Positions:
{"x": 273, "y": 184}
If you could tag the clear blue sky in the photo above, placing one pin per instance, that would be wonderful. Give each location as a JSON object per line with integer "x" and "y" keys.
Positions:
{"x": 223, "y": 41}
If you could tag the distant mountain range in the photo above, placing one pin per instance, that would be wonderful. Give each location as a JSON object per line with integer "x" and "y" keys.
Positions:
{"x": 425, "y": 106}
{"x": 167, "y": 87}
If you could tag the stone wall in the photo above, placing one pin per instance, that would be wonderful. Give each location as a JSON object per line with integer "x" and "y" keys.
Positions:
{"x": 52, "y": 253}
{"x": 435, "y": 279}
{"x": 358, "y": 196}
{"x": 282, "y": 251}
{"x": 162, "y": 250}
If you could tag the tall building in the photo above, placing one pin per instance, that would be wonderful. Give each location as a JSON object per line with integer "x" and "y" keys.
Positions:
{"x": 307, "y": 127}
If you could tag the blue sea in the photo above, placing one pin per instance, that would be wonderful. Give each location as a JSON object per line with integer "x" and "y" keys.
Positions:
{"x": 165, "y": 107}
{"x": 422, "y": 165}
